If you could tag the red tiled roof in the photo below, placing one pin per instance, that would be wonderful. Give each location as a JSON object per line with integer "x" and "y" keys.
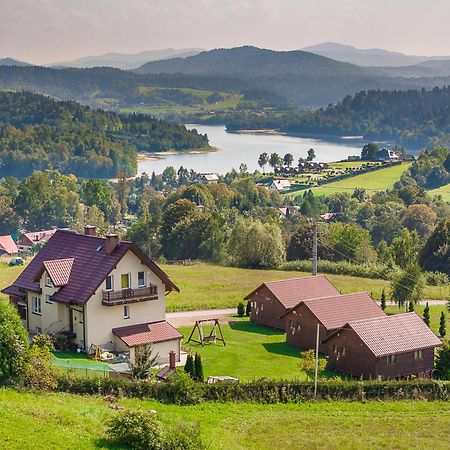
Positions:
{"x": 91, "y": 265}
{"x": 294, "y": 290}
{"x": 399, "y": 333}
{"x": 334, "y": 312}
{"x": 8, "y": 245}
{"x": 35, "y": 237}
{"x": 59, "y": 270}
{"x": 147, "y": 333}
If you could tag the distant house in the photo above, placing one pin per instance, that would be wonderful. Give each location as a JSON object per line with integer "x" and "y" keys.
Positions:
{"x": 327, "y": 217}
{"x": 330, "y": 313}
{"x": 387, "y": 155}
{"x": 280, "y": 185}
{"x": 27, "y": 241}
{"x": 383, "y": 347}
{"x": 7, "y": 246}
{"x": 99, "y": 292}
{"x": 206, "y": 178}
{"x": 271, "y": 300}
{"x": 288, "y": 211}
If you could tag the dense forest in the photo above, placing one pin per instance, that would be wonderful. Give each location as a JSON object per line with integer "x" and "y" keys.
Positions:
{"x": 37, "y": 132}
{"x": 411, "y": 118}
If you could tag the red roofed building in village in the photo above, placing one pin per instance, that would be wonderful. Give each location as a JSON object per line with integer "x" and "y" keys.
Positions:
{"x": 330, "y": 313}
{"x": 8, "y": 246}
{"x": 383, "y": 347}
{"x": 101, "y": 291}
{"x": 27, "y": 241}
{"x": 271, "y": 300}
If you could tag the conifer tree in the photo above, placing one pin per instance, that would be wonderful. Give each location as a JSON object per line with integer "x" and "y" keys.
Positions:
{"x": 411, "y": 307}
{"x": 383, "y": 300}
{"x": 442, "y": 365}
{"x": 426, "y": 315}
{"x": 442, "y": 325}
{"x": 198, "y": 368}
{"x": 189, "y": 367}
{"x": 240, "y": 309}
{"x": 248, "y": 309}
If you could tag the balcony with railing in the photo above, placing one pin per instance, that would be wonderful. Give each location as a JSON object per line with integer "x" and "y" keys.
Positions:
{"x": 130, "y": 295}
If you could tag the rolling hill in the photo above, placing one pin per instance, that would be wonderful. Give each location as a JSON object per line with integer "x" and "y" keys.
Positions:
{"x": 128, "y": 61}
{"x": 12, "y": 62}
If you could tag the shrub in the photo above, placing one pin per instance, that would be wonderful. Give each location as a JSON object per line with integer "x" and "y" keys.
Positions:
{"x": 184, "y": 437}
{"x": 137, "y": 430}
{"x": 43, "y": 341}
{"x": 144, "y": 362}
{"x": 182, "y": 390}
{"x": 248, "y": 309}
{"x": 38, "y": 372}
{"x": 240, "y": 309}
{"x": 189, "y": 367}
{"x": 437, "y": 278}
{"x": 442, "y": 366}
{"x": 198, "y": 368}
{"x": 61, "y": 342}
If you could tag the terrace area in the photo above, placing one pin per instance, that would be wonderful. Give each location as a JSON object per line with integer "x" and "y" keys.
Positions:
{"x": 129, "y": 295}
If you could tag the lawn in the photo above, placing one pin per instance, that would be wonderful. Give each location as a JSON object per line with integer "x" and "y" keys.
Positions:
{"x": 443, "y": 191}
{"x": 252, "y": 352}
{"x": 379, "y": 180}
{"x": 8, "y": 274}
{"x": 62, "y": 421}
{"x": 205, "y": 286}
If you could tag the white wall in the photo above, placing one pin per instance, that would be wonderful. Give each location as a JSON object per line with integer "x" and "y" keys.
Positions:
{"x": 100, "y": 319}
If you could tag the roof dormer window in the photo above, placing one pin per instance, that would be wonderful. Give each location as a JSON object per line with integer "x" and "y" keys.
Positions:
{"x": 48, "y": 281}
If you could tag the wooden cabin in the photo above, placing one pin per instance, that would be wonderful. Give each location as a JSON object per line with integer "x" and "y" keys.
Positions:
{"x": 383, "y": 347}
{"x": 271, "y": 300}
{"x": 330, "y": 313}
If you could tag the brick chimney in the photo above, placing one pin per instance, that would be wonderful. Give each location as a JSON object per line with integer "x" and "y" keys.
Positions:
{"x": 111, "y": 242}
{"x": 172, "y": 356}
{"x": 90, "y": 230}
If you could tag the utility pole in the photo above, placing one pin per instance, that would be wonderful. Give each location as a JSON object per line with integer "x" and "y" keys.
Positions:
{"x": 314, "y": 250}
{"x": 317, "y": 360}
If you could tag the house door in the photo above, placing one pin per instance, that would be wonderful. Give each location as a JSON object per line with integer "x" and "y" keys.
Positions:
{"x": 71, "y": 320}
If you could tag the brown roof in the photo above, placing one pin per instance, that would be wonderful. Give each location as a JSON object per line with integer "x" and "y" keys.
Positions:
{"x": 35, "y": 237}
{"x": 91, "y": 265}
{"x": 8, "y": 245}
{"x": 394, "y": 334}
{"x": 147, "y": 333}
{"x": 291, "y": 291}
{"x": 334, "y": 312}
{"x": 59, "y": 270}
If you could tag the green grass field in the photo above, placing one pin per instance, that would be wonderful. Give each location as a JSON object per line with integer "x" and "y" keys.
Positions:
{"x": 205, "y": 286}
{"x": 62, "y": 421}
{"x": 252, "y": 352}
{"x": 443, "y": 191}
{"x": 379, "y": 180}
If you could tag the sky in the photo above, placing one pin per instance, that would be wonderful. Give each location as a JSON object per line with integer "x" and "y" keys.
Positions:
{"x": 45, "y": 31}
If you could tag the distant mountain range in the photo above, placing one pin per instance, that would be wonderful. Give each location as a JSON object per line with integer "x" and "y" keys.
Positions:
{"x": 128, "y": 61}
{"x": 12, "y": 62}
{"x": 368, "y": 57}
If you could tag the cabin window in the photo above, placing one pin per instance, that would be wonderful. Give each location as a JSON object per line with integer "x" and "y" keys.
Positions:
{"x": 342, "y": 351}
{"x": 418, "y": 354}
{"x": 109, "y": 283}
{"x": 125, "y": 280}
{"x": 126, "y": 312}
{"x": 335, "y": 349}
{"x": 391, "y": 359}
{"x": 36, "y": 305}
{"x": 141, "y": 279}
{"x": 262, "y": 307}
{"x": 48, "y": 299}
{"x": 48, "y": 281}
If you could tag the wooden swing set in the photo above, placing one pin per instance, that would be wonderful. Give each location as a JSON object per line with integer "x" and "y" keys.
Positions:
{"x": 212, "y": 337}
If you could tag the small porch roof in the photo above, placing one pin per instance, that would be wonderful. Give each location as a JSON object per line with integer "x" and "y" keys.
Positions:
{"x": 147, "y": 333}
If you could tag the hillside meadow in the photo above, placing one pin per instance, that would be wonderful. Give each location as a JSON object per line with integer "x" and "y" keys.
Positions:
{"x": 63, "y": 421}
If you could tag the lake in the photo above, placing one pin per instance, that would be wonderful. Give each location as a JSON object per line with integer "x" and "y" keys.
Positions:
{"x": 237, "y": 148}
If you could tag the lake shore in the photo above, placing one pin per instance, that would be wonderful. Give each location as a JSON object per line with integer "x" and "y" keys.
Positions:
{"x": 155, "y": 156}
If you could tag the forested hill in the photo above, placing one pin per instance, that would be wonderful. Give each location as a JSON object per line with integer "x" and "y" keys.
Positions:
{"x": 38, "y": 132}
{"x": 412, "y": 118}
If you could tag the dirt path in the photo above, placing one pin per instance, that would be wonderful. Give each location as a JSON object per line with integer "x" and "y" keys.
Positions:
{"x": 183, "y": 318}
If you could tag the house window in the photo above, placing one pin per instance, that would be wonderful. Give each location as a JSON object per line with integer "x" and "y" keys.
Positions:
{"x": 36, "y": 305}
{"x": 391, "y": 359}
{"x": 125, "y": 280}
{"x": 109, "y": 283}
{"x": 48, "y": 281}
{"x": 48, "y": 299}
{"x": 141, "y": 279}
{"x": 126, "y": 312}
{"x": 418, "y": 354}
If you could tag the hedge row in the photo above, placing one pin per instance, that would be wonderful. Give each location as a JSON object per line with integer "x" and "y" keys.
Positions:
{"x": 375, "y": 271}
{"x": 261, "y": 391}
